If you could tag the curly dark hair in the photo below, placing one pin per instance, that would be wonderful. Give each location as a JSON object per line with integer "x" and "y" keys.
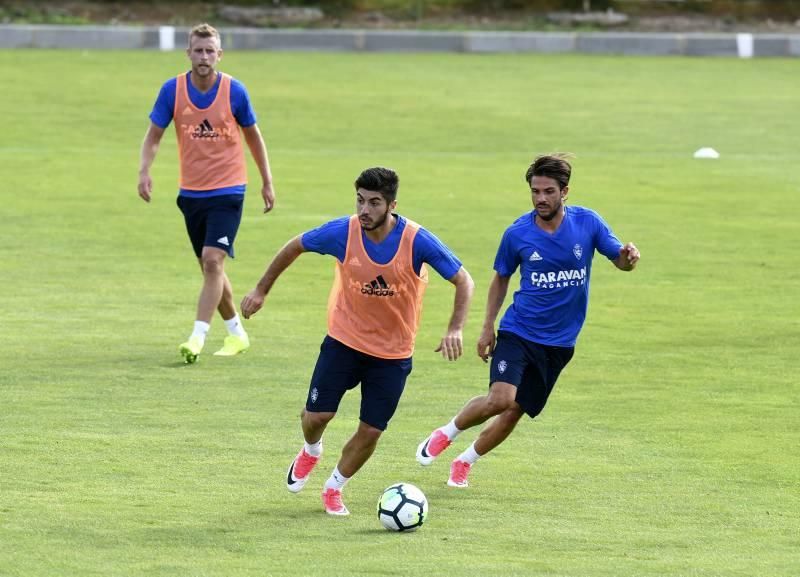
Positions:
{"x": 379, "y": 179}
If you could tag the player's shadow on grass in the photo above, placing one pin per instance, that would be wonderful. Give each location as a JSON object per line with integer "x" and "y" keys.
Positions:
{"x": 377, "y": 531}
{"x": 294, "y": 515}
{"x": 315, "y": 515}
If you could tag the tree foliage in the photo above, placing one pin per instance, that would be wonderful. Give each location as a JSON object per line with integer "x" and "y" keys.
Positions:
{"x": 736, "y": 8}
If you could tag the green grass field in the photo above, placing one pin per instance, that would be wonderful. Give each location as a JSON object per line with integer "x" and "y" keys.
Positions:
{"x": 670, "y": 446}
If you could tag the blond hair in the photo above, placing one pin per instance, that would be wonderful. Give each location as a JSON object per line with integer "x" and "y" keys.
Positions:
{"x": 204, "y": 30}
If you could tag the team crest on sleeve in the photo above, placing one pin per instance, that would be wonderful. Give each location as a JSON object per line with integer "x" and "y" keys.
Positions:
{"x": 577, "y": 250}
{"x": 501, "y": 367}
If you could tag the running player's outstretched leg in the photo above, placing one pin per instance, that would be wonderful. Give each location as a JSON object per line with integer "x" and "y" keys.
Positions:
{"x": 310, "y": 454}
{"x": 491, "y": 436}
{"x": 476, "y": 411}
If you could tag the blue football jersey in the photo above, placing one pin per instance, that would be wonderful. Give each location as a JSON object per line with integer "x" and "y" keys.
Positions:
{"x": 550, "y": 305}
{"x": 331, "y": 238}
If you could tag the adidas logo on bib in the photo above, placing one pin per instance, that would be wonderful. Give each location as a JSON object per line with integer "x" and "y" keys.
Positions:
{"x": 378, "y": 287}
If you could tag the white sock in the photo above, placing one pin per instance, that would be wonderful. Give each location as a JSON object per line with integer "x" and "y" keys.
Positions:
{"x": 314, "y": 450}
{"x": 336, "y": 480}
{"x": 470, "y": 455}
{"x": 451, "y": 430}
{"x": 200, "y": 330}
{"x": 234, "y": 326}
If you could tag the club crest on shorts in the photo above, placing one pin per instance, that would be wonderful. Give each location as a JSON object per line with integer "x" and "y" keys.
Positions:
{"x": 502, "y": 366}
{"x": 314, "y": 395}
{"x": 577, "y": 251}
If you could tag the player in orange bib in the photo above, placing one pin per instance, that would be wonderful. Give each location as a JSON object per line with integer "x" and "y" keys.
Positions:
{"x": 211, "y": 112}
{"x": 373, "y": 316}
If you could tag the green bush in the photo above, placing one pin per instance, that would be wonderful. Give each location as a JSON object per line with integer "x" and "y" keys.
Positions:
{"x": 778, "y": 9}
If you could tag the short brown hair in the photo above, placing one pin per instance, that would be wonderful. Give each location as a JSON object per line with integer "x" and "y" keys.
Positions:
{"x": 204, "y": 30}
{"x": 553, "y": 166}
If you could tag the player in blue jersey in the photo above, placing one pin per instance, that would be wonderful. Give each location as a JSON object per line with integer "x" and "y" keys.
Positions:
{"x": 553, "y": 247}
{"x": 210, "y": 111}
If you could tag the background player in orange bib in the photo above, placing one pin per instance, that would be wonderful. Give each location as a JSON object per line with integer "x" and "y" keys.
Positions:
{"x": 211, "y": 111}
{"x": 373, "y": 317}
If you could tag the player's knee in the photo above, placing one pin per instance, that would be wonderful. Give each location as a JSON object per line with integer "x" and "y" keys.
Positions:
{"x": 500, "y": 399}
{"x": 316, "y": 420}
{"x": 511, "y": 416}
{"x": 368, "y": 435}
{"x": 495, "y": 406}
{"x": 212, "y": 265}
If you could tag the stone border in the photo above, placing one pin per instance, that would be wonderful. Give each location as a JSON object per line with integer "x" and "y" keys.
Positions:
{"x": 627, "y": 43}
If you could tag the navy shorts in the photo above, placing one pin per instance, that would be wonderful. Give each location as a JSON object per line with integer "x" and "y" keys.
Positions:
{"x": 212, "y": 221}
{"x": 341, "y": 368}
{"x": 531, "y": 367}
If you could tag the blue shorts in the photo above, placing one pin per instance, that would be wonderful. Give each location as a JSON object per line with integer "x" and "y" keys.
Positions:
{"x": 529, "y": 366}
{"x": 212, "y": 221}
{"x": 340, "y": 368}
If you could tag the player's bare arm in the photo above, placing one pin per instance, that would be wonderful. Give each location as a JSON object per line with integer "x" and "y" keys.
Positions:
{"x": 254, "y": 300}
{"x": 494, "y": 302}
{"x": 255, "y": 142}
{"x": 628, "y": 257}
{"x": 152, "y": 139}
{"x": 451, "y": 345}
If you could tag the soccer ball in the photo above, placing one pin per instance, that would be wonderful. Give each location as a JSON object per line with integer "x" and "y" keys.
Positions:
{"x": 402, "y": 507}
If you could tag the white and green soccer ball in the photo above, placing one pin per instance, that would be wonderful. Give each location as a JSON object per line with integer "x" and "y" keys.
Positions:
{"x": 402, "y": 507}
